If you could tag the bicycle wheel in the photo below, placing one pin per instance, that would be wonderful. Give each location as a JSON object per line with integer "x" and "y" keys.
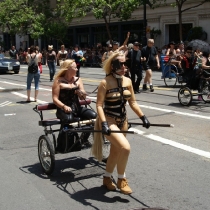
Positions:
{"x": 185, "y": 96}
{"x": 46, "y": 154}
{"x": 206, "y": 93}
{"x": 170, "y": 78}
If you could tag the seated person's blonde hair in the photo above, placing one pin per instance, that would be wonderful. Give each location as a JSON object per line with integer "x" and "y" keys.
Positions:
{"x": 64, "y": 67}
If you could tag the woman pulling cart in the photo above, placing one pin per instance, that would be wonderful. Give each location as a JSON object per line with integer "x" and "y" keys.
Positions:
{"x": 113, "y": 93}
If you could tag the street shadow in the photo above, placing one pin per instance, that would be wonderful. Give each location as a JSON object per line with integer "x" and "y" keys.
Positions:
{"x": 174, "y": 87}
{"x": 77, "y": 169}
{"x": 24, "y": 102}
{"x": 65, "y": 168}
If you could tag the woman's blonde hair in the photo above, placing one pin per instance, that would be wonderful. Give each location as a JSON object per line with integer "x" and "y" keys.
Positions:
{"x": 97, "y": 146}
{"x": 107, "y": 64}
{"x": 64, "y": 67}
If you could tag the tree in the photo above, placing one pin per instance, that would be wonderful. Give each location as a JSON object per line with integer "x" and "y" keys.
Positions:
{"x": 16, "y": 17}
{"x": 34, "y": 17}
{"x": 104, "y": 9}
{"x": 179, "y": 5}
{"x": 55, "y": 23}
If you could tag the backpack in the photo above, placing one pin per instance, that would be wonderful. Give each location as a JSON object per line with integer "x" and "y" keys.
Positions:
{"x": 70, "y": 144}
{"x": 32, "y": 66}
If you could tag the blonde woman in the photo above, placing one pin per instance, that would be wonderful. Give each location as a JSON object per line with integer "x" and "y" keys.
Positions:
{"x": 67, "y": 89}
{"x": 113, "y": 93}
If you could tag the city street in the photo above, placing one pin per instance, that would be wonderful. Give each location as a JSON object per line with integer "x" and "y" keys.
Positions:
{"x": 168, "y": 168}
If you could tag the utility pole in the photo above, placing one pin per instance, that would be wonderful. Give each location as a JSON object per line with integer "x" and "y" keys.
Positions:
{"x": 145, "y": 24}
{"x": 144, "y": 39}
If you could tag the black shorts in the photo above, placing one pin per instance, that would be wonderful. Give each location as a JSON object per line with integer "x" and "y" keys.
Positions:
{"x": 148, "y": 66}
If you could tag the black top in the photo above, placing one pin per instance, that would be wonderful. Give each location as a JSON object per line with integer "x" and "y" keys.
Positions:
{"x": 50, "y": 56}
{"x": 149, "y": 53}
{"x": 134, "y": 61}
{"x": 13, "y": 53}
{"x": 187, "y": 64}
{"x": 69, "y": 98}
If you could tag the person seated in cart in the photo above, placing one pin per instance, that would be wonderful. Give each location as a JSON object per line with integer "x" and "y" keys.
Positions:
{"x": 67, "y": 90}
{"x": 188, "y": 64}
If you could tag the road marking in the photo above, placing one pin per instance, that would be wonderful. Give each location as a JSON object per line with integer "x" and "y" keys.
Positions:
{"x": 25, "y": 96}
{"x": 172, "y": 143}
{"x": 9, "y": 114}
{"x": 151, "y": 136}
{"x": 169, "y": 111}
{"x": 5, "y": 103}
{"x": 143, "y": 106}
{"x": 176, "y": 112}
{"x": 10, "y": 83}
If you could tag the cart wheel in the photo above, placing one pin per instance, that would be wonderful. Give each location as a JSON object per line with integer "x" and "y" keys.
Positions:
{"x": 170, "y": 78}
{"x": 206, "y": 93}
{"x": 106, "y": 149}
{"x": 46, "y": 154}
{"x": 185, "y": 96}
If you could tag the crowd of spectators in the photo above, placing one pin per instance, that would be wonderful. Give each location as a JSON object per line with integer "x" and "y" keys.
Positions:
{"x": 93, "y": 55}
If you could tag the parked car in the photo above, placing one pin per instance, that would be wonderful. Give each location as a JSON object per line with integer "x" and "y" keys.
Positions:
{"x": 9, "y": 64}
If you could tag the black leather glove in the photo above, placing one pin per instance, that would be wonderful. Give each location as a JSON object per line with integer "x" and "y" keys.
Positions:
{"x": 105, "y": 128}
{"x": 145, "y": 121}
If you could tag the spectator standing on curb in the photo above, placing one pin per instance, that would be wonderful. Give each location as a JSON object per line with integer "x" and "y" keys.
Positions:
{"x": 107, "y": 53}
{"x": 180, "y": 49}
{"x": 33, "y": 75}
{"x": 39, "y": 58}
{"x": 151, "y": 55}
{"x": 62, "y": 55}
{"x": 134, "y": 63}
{"x": 13, "y": 53}
{"x": 51, "y": 61}
{"x": 77, "y": 56}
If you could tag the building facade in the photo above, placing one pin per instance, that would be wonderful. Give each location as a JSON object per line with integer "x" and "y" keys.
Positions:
{"x": 90, "y": 31}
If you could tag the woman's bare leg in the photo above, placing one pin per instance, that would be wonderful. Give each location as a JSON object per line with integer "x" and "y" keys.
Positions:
{"x": 119, "y": 152}
{"x": 28, "y": 95}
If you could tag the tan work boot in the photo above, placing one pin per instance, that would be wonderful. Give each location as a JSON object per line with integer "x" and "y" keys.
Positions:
{"x": 122, "y": 184}
{"x": 107, "y": 182}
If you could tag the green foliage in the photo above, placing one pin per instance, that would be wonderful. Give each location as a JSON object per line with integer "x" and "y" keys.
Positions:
{"x": 107, "y": 10}
{"x": 155, "y": 32}
{"x": 195, "y": 33}
{"x": 34, "y": 17}
{"x": 17, "y": 17}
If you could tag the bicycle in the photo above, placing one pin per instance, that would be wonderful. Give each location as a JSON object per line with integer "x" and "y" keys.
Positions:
{"x": 170, "y": 72}
{"x": 185, "y": 94}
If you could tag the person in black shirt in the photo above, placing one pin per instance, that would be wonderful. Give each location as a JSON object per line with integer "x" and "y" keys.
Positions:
{"x": 188, "y": 68}
{"x": 151, "y": 55}
{"x": 13, "y": 53}
{"x": 134, "y": 63}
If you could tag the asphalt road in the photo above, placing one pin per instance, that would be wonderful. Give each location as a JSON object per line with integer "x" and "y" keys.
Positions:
{"x": 167, "y": 168}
